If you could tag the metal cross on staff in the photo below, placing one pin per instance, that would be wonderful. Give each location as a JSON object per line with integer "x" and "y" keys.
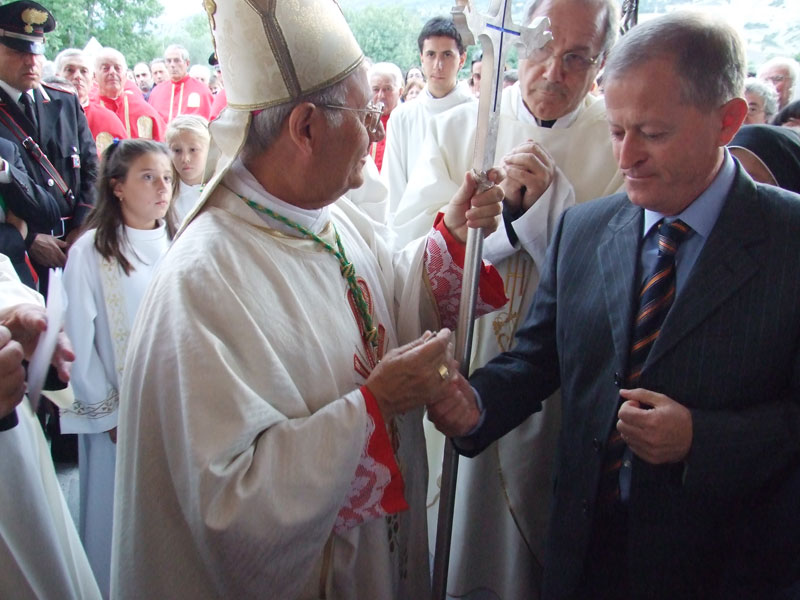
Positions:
{"x": 497, "y": 34}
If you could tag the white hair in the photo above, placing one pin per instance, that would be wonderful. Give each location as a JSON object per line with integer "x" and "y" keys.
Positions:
{"x": 183, "y": 51}
{"x": 61, "y": 58}
{"x": 789, "y": 64}
{"x": 387, "y": 69}
{"x": 200, "y": 72}
{"x": 766, "y": 91}
{"x": 108, "y": 51}
{"x": 265, "y": 127}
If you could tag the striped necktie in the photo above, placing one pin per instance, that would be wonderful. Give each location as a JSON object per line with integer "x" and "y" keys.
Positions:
{"x": 655, "y": 300}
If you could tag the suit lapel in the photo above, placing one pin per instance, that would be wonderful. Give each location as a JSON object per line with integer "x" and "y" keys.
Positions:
{"x": 618, "y": 259}
{"x": 725, "y": 263}
{"x": 40, "y": 112}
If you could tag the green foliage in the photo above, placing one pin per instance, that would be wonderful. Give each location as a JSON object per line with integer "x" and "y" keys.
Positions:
{"x": 387, "y": 33}
{"x": 193, "y": 33}
{"x": 126, "y": 25}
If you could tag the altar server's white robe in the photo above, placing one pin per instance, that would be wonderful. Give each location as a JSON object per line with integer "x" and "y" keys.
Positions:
{"x": 242, "y": 421}
{"x": 503, "y": 494}
{"x": 102, "y": 305}
{"x": 186, "y": 199}
{"x": 40, "y": 553}
{"x": 405, "y": 132}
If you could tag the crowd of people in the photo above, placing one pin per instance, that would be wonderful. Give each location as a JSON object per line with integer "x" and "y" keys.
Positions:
{"x": 262, "y": 276}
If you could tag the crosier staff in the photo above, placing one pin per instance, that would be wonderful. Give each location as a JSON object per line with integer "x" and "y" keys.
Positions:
{"x": 497, "y": 34}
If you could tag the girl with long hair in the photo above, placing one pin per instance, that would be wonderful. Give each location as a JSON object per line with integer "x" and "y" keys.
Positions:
{"x": 188, "y": 141}
{"x": 107, "y": 272}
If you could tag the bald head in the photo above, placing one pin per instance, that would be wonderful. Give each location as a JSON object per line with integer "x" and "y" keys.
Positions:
{"x": 110, "y": 72}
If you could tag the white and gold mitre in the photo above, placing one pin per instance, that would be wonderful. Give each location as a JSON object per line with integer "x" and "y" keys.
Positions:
{"x": 272, "y": 52}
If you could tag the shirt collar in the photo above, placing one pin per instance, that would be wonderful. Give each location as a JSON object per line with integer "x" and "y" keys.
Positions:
{"x": 701, "y": 215}
{"x": 243, "y": 182}
{"x": 433, "y": 98}
{"x": 13, "y": 92}
{"x": 524, "y": 115}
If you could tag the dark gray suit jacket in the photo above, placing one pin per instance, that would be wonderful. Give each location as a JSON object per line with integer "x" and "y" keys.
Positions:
{"x": 728, "y": 350}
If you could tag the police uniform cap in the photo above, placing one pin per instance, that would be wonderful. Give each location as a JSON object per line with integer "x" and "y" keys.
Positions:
{"x": 23, "y": 25}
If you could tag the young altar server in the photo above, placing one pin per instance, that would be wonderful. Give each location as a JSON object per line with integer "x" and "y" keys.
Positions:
{"x": 188, "y": 140}
{"x": 106, "y": 276}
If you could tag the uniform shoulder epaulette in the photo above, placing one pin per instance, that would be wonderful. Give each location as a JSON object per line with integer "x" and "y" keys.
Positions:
{"x": 58, "y": 87}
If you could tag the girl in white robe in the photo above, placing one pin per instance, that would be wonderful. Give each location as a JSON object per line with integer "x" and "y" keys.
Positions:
{"x": 188, "y": 140}
{"x": 107, "y": 273}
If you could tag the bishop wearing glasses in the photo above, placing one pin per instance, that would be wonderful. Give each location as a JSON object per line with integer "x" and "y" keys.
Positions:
{"x": 271, "y": 444}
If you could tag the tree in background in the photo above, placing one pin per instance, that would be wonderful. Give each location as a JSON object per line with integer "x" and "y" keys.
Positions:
{"x": 387, "y": 33}
{"x": 193, "y": 33}
{"x": 127, "y": 25}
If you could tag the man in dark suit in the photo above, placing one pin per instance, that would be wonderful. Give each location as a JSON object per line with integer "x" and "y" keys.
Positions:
{"x": 54, "y": 120}
{"x": 679, "y": 442}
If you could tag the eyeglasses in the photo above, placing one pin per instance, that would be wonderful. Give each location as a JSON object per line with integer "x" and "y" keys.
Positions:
{"x": 371, "y": 114}
{"x": 754, "y": 109}
{"x": 571, "y": 62}
{"x": 775, "y": 78}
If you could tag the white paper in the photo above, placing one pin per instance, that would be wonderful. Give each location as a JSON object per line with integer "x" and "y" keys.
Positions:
{"x": 43, "y": 354}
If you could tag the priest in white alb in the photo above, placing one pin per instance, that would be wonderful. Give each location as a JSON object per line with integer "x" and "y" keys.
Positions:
{"x": 270, "y": 439}
{"x": 442, "y": 53}
{"x": 557, "y": 148}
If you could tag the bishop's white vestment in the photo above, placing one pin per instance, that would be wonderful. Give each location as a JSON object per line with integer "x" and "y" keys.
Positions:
{"x": 502, "y": 501}
{"x": 406, "y": 130}
{"x": 102, "y": 305}
{"x": 252, "y": 460}
{"x": 40, "y": 552}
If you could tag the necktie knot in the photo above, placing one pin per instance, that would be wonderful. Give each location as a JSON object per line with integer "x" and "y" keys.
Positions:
{"x": 670, "y": 236}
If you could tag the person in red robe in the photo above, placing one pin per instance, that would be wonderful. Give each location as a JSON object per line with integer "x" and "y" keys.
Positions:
{"x": 74, "y": 66}
{"x": 221, "y": 97}
{"x": 386, "y": 83}
{"x": 220, "y": 102}
{"x": 182, "y": 95}
{"x": 139, "y": 118}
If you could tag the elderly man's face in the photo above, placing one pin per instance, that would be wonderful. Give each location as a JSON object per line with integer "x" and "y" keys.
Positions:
{"x": 780, "y": 78}
{"x": 111, "y": 74}
{"x": 668, "y": 151}
{"x": 384, "y": 89}
{"x": 755, "y": 109}
{"x": 176, "y": 65}
{"x": 78, "y": 72}
{"x": 341, "y": 162}
{"x": 141, "y": 73}
{"x": 159, "y": 73}
{"x": 556, "y": 79}
{"x": 21, "y": 70}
